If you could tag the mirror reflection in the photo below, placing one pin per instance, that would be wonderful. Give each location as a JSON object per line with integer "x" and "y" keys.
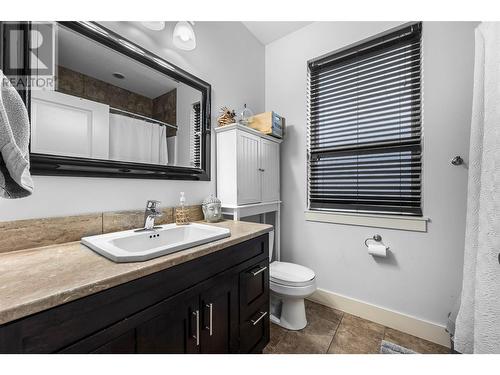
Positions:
{"x": 106, "y": 105}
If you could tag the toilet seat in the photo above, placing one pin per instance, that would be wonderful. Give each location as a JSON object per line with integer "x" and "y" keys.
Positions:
{"x": 290, "y": 274}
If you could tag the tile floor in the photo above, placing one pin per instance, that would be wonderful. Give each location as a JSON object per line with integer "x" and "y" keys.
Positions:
{"x": 336, "y": 332}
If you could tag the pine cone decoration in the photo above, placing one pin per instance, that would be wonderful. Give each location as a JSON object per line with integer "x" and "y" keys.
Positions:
{"x": 227, "y": 116}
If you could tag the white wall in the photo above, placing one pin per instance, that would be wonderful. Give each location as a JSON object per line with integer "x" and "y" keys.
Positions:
{"x": 424, "y": 275}
{"x": 227, "y": 56}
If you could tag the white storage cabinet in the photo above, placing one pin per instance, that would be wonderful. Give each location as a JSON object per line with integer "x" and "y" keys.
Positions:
{"x": 248, "y": 166}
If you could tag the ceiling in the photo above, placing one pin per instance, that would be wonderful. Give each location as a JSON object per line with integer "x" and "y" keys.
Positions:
{"x": 269, "y": 31}
{"x": 83, "y": 55}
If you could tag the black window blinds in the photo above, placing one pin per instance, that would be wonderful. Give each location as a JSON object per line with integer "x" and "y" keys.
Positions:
{"x": 364, "y": 126}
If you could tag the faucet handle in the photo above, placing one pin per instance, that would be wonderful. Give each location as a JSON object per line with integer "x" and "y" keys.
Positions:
{"x": 152, "y": 204}
{"x": 153, "y": 207}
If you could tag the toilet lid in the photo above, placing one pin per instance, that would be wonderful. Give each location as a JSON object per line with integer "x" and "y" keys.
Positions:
{"x": 290, "y": 274}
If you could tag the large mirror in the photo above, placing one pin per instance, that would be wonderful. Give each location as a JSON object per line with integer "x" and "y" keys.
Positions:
{"x": 115, "y": 109}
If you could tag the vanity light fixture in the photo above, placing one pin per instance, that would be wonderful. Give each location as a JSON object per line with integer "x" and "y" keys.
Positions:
{"x": 154, "y": 25}
{"x": 183, "y": 36}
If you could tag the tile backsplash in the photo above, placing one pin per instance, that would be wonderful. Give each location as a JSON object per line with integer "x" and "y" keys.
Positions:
{"x": 25, "y": 234}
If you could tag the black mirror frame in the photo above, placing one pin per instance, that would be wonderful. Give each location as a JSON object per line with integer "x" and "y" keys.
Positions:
{"x": 52, "y": 165}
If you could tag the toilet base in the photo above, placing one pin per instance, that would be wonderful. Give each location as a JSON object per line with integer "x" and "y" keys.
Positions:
{"x": 293, "y": 313}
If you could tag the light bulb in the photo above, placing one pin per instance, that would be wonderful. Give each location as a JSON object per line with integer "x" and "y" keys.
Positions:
{"x": 154, "y": 25}
{"x": 183, "y": 36}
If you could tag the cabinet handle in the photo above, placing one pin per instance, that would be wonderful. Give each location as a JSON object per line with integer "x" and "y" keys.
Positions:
{"x": 262, "y": 315}
{"x": 260, "y": 270}
{"x": 261, "y": 169}
{"x": 210, "y": 310}
{"x": 197, "y": 335}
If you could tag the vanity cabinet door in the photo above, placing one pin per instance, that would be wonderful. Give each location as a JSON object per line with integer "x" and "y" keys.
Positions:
{"x": 173, "y": 329}
{"x": 219, "y": 305}
{"x": 167, "y": 327}
{"x": 201, "y": 320}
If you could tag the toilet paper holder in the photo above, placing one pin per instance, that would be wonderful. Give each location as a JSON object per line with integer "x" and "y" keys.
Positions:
{"x": 376, "y": 238}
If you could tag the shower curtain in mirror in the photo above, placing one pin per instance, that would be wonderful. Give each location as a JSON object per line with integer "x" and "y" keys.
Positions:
{"x": 137, "y": 140}
{"x": 478, "y": 321}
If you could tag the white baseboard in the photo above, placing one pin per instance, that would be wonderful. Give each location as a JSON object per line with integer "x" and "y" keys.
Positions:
{"x": 392, "y": 319}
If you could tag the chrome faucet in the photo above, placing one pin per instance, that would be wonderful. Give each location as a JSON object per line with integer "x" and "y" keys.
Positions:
{"x": 151, "y": 213}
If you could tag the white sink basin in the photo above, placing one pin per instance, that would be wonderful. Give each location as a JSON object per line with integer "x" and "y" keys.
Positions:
{"x": 132, "y": 246}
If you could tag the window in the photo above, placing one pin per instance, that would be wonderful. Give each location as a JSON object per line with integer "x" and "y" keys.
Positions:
{"x": 195, "y": 136}
{"x": 364, "y": 126}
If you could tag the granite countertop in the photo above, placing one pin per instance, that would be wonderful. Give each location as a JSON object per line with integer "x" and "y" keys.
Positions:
{"x": 37, "y": 279}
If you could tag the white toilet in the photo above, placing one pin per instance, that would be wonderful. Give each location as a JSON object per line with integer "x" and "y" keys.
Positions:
{"x": 289, "y": 283}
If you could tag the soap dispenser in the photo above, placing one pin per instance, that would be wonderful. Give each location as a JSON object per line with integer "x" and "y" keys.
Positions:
{"x": 181, "y": 212}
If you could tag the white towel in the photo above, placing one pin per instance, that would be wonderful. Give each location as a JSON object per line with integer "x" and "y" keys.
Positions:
{"x": 478, "y": 321}
{"x": 15, "y": 177}
{"x": 136, "y": 140}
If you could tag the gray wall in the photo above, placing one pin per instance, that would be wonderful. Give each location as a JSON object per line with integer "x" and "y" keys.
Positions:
{"x": 424, "y": 275}
{"x": 227, "y": 56}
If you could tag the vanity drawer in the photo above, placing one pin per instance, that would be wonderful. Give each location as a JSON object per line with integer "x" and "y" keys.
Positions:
{"x": 254, "y": 332}
{"x": 254, "y": 289}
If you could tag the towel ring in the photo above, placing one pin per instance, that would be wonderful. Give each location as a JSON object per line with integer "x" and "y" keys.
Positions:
{"x": 376, "y": 238}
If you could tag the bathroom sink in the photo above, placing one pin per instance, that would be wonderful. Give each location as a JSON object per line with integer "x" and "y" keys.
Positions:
{"x": 136, "y": 246}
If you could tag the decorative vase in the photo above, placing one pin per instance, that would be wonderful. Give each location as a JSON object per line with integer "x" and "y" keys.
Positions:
{"x": 211, "y": 208}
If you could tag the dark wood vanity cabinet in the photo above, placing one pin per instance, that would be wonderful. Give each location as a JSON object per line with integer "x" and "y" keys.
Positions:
{"x": 218, "y": 303}
{"x": 202, "y": 319}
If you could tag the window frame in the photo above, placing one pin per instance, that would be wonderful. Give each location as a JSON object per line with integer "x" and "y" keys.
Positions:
{"x": 367, "y": 217}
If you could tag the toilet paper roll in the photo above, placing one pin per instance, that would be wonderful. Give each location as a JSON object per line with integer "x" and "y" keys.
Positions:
{"x": 377, "y": 249}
